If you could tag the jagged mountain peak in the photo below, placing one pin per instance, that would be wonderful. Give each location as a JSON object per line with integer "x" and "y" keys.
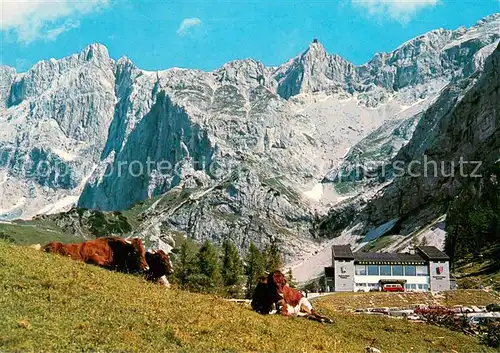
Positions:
{"x": 96, "y": 51}
{"x": 433, "y": 38}
{"x": 6, "y": 69}
{"x": 488, "y": 19}
{"x": 240, "y": 63}
{"x": 439, "y": 56}
{"x": 243, "y": 71}
{"x": 313, "y": 70}
{"x": 438, "y": 37}
{"x": 315, "y": 49}
{"x": 43, "y": 75}
{"x": 124, "y": 61}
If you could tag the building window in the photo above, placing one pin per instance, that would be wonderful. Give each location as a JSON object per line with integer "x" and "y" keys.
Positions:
{"x": 425, "y": 286}
{"x": 410, "y": 287}
{"x": 410, "y": 270}
{"x": 397, "y": 270}
{"x": 422, "y": 271}
{"x": 385, "y": 270}
{"x": 372, "y": 270}
{"x": 361, "y": 270}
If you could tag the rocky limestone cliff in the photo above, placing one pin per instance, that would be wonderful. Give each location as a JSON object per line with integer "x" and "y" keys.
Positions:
{"x": 455, "y": 142}
{"x": 53, "y": 131}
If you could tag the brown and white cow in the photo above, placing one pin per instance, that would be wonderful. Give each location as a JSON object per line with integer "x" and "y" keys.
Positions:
{"x": 112, "y": 253}
{"x": 274, "y": 293}
{"x": 160, "y": 267}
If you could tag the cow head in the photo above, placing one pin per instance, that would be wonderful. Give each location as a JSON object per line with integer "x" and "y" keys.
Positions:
{"x": 278, "y": 279}
{"x": 264, "y": 296}
{"x": 139, "y": 254}
{"x": 262, "y": 280}
{"x": 54, "y": 247}
{"x": 159, "y": 263}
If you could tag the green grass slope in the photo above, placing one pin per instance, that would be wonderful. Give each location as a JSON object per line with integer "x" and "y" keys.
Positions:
{"x": 34, "y": 232}
{"x": 476, "y": 271}
{"x": 52, "y": 304}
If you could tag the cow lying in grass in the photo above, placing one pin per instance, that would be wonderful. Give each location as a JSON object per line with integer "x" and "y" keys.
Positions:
{"x": 113, "y": 253}
{"x": 273, "y": 294}
{"x": 160, "y": 267}
{"x": 118, "y": 254}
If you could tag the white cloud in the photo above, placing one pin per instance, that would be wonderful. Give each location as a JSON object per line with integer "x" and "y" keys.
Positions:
{"x": 399, "y": 10}
{"x": 53, "y": 33}
{"x": 30, "y": 20}
{"x": 187, "y": 24}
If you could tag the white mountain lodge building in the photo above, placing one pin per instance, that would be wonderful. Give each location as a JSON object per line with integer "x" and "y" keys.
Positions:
{"x": 426, "y": 268}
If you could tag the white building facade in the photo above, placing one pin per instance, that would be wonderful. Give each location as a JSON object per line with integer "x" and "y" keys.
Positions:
{"x": 427, "y": 268}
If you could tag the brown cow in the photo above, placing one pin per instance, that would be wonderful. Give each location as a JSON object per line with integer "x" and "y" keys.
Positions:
{"x": 275, "y": 291}
{"x": 112, "y": 253}
{"x": 160, "y": 267}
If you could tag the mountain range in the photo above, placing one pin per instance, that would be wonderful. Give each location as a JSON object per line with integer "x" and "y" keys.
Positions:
{"x": 301, "y": 154}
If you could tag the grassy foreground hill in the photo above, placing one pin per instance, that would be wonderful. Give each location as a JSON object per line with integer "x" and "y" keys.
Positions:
{"x": 52, "y": 304}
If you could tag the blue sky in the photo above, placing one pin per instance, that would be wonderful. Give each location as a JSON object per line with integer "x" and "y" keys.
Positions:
{"x": 205, "y": 34}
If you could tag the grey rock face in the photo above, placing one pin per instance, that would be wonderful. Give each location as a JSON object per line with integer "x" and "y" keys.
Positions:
{"x": 7, "y": 76}
{"x": 455, "y": 140}
{"x": 174, "y": 139}
{"x": 374, "y": 151}
{"x": 244, "y": 207}
{"x": 54, "y": 130}
{"x": 42, "y": 76}
{"x": 125, "y": 135}
{"x": 313, "y": 71}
